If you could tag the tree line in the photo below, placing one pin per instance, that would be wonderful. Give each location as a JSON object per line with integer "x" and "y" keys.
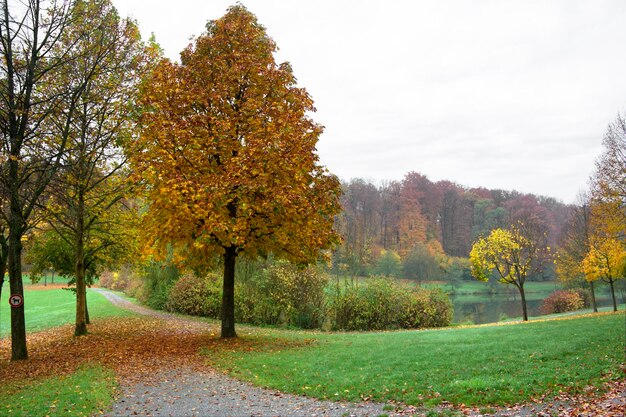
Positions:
{"x": 440, "y": 219}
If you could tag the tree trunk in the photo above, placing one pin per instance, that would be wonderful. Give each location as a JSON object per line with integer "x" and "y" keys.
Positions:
{"x": 228, "y": 293}
{"x": 593, "y": 297}
{"x": 613, "y": 294}
{"x": 4, "y": 253}
{"x": 523, "y": 296}
{"x": 79, "y": 273}
{"x": 86, "y": 310}
{"x": 18, "y": 324}
{"x": 81, "y": 300}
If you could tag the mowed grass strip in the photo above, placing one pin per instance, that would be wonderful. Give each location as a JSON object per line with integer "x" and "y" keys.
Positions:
{"x": 479, "y": 366}
{"x": 88, "y": 391}
{"x": 46, "y": 308}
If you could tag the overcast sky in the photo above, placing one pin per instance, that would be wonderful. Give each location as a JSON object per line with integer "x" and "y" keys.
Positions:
{"x": 500, "y": 94}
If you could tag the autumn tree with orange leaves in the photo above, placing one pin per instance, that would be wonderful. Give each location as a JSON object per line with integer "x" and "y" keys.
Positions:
{"x": 227, "y": 156}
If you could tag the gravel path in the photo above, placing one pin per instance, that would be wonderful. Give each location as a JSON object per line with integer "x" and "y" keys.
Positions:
{"x": 124, "y": 303}
{"x": 184, "y": 391}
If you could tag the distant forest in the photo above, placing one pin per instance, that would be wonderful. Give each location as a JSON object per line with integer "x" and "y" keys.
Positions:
{"x": 419, "y": 229}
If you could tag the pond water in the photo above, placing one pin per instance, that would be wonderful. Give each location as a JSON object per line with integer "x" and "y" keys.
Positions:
{"x": 481, "y": 309}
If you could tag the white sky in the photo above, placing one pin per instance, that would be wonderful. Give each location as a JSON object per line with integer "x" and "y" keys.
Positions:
{"x": 494, "y": 93}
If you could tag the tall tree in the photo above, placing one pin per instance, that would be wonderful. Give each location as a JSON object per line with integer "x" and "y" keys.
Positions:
{"x": 606, "y": 258}
{"x": 358, "y": 225}
{"x": 4, "y": 253}
{"x": 227, "y": 151}
{"x": 609, "y": 179}
{"x": 390, "y": 214}
{"x": 574, "y": 246}
{"x": 34, "y": 81}
{"x": 512, "y": 255}
{"x": 430, "y": 197}
{"x": 412, "y": 224}
{"x": 86, "y": 201}
{"x": 457, "y": 215}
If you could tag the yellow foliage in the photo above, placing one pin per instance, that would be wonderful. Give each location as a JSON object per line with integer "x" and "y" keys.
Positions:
{"x": 508, "y": 252}
{"x": 606, "y": 259}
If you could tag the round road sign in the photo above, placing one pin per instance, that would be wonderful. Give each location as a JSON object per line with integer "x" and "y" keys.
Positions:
{"x": 16, "y": 300}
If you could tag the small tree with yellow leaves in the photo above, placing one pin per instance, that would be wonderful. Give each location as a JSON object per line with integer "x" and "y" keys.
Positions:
{"x": 606, "y": 260}
{"x": 512, "y": 255}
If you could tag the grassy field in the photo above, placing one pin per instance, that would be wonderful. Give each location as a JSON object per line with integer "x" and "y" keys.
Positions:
{"x": 481, "y": 366}
{"x": 45, "y": 308}
{"x": 84, "y": 393}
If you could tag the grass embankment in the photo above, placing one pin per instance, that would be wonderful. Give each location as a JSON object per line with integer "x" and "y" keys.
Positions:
{"x": 482, "y": 365}
{"x": 45, "y": 308}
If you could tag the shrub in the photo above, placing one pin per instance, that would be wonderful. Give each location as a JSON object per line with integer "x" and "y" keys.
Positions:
{"x": 125, "y": 280}
{"x": 158, "y": 278}
{"x": 349, "y": 309}
{"x": 197, "y": 296}
{"x": 562, "y": 301}
{"x": 389, "y": 264}
{"x": 585, "y": 295}
{"x": 427, "y": 308}
{"x": 282, "y": 294}
{"x": 420, "y": 264}
{"x": 381, "y": 303}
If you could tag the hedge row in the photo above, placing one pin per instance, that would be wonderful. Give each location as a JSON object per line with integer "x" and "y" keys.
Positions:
{"x": 285, "y": 295}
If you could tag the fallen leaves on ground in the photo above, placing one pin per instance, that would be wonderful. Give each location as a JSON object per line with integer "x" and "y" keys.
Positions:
{"x": 610, "y": 401}
{"x": 135, "y": 348}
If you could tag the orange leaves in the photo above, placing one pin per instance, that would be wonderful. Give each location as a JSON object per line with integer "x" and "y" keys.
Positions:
{"x": 136, "y": 348}
{"x": 227, "y": 150}
{"x": 133, "y": 347}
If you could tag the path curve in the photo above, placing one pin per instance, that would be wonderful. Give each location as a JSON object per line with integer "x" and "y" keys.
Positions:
{"x": 183, "y": 391}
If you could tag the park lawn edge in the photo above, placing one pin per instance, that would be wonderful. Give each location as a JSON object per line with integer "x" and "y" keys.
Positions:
{"x": 90, "y": 390}
{"x": 262, "y": 366}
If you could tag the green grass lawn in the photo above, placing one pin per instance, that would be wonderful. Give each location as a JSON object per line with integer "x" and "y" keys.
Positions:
{"x": 50, "y": 308}
{"x": 480, "y": 366}
{"x": 86, "y": 392}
